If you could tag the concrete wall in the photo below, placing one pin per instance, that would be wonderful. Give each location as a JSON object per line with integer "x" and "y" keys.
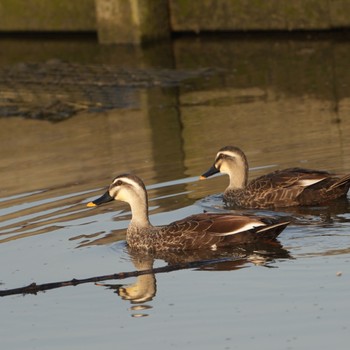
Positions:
{"x": 231, "y": 15}
{"x": 47, "y": 15}
{"x": 135, "y": 21}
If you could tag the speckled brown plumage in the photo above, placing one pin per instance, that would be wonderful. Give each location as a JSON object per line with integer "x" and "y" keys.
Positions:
{"x": 201, "y": 231}
{"x": 281, "y": 188}
{"x": 204, "y": 231}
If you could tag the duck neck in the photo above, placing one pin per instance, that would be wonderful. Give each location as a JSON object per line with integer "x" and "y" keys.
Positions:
{"x": 238, "y": 174}
{"x": 139, "y": 212}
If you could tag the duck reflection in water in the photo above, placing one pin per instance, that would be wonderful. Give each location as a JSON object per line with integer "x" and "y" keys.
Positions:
{"x": 331, "y": 213}
{"x": 144, "y": 289}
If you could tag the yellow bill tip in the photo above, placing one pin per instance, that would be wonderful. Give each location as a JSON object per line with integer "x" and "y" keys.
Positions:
{"x": 202, "y": 177}
{"x": 91, "y": 204}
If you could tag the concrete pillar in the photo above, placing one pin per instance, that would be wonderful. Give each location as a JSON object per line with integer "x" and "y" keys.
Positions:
{"x": 132, "y": 21}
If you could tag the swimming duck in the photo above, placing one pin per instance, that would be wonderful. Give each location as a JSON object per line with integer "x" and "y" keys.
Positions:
{"x": 199, "y": 231}
{"x": 281, "y": 188}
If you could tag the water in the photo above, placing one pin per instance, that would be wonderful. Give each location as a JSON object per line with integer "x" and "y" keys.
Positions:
{"x": 283, "y": 100}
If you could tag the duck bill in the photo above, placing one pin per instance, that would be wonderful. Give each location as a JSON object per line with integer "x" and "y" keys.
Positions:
{"x": 105, "y": 198}
{"x": 208, "y": 173}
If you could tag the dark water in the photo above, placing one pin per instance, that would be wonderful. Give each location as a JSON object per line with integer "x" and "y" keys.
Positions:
{"x": 285, "y": 101}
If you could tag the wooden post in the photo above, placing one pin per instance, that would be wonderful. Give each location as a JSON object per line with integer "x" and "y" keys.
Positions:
{"x": 132, "y": 21}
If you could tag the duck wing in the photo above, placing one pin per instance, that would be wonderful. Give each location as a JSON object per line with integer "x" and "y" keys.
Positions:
{"x": 216, "y": 223}
{"x": 284, "y": 187}
{"x": 216, "y": 228}
{"x": 292, "y": 177}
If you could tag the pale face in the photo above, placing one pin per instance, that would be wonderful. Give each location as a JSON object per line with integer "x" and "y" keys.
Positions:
{"x": 125, "y": 189}
{"x": 121, "y": 187}
{"x": 233, "y": 163}
{"x": 222, "y": 160}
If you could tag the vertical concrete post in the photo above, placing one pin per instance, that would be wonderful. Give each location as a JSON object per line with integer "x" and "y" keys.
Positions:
{"x": 132, "y": 21}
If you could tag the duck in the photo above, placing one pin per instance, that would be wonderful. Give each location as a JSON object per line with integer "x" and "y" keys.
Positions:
{"x": 281, "y": 188}
{"x": 199, "y": 231}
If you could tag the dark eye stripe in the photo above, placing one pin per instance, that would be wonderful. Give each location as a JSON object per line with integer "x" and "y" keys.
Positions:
{"x": 117, "y": 183}
{"x": 224, "y": 156}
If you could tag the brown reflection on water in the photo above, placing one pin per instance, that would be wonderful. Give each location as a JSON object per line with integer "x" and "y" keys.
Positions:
{"x": 274, "y": 96}
{"x": 284, "y": 102}
{"x": 39, "y": 154}
{"x": 280, "y": 132}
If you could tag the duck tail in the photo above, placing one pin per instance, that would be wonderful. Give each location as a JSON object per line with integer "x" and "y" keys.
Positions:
{"x": 272, "y": 231}
{"x": 345, "y": 180}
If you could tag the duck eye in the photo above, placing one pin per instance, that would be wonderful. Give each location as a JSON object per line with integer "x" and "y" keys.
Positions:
{"x": 119, "y": 183}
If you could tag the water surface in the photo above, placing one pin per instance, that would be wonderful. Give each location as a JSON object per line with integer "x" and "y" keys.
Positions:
{"x": 284, "y": 101}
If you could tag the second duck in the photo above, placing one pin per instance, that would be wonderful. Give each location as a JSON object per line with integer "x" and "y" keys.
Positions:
{"x": 281, "y": 188}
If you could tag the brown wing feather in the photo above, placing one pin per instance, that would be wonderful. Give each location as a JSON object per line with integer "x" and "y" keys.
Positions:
{"x": 215, "y": 230}
{"x": 215, "y": 223}
{"x": 284, "y": 187}
{"x": 287, "y": 178}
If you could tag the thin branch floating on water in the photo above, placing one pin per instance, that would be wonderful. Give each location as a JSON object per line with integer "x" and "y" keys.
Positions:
{"x": 34, "y": 288}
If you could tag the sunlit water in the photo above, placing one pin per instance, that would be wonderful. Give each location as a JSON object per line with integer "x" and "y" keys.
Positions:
{"x": 272, "y": 99}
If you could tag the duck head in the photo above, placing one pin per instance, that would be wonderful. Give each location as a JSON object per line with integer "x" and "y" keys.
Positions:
{"x": 232, "y": 161}
{"x": 127, "y": 188}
